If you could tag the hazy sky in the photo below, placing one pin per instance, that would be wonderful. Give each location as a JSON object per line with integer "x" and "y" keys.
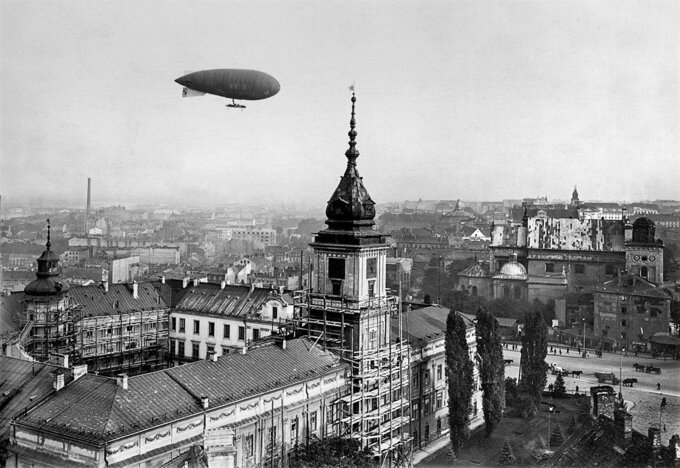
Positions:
{"x": 456, "y": 99}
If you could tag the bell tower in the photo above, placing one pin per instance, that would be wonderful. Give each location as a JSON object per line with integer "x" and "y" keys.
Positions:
{"x": 347, "y": 310}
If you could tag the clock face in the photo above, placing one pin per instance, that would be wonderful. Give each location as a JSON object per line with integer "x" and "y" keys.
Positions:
{"x": 652, "y": 258}
{"x": 636, "y": 257}
{"x": 371, "y": 267}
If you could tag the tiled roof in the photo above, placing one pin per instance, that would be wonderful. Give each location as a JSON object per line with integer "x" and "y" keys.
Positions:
{"x": 426, "y": 324}
{"x": 96, "y": 408}
{"x": 22, "y": 383}
{"x": 233, "y": 300}
{"x": 97, "y": 302}
{"x": 476, "y": 271}
{"x": 631, "y": 284}
{"x": 11, "y": 312}
{"x": 597, "y": 446}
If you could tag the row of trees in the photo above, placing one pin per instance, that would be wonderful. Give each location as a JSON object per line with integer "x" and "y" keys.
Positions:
{"x": 459, "y": 364}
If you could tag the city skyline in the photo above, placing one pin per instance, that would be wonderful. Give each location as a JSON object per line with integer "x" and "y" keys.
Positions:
{"x": 509, "y": 100}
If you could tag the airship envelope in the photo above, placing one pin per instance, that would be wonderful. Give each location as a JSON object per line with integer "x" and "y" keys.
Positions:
{"x": 249, "y": 85}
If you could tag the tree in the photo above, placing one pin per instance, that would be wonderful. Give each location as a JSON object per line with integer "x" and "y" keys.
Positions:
{"x": 459, "y": 367}
{"x": 506, "y": 457}
{"x": 534, "y": 350}
{"x": 492, "y": 369}
{"x": 559, "y": 390}
{"x": 333, "y": 452}
{"x": 556, "y": 437}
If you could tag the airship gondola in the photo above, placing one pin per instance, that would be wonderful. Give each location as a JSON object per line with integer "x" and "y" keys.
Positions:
{"x": 234, "y": 84}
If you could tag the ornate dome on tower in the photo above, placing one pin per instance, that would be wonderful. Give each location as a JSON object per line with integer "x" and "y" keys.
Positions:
{"x": 351, "y": 208}
{"x": 46, "y": 283}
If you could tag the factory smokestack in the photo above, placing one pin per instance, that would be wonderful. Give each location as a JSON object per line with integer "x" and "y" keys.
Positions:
{"x": 89, "y": 181}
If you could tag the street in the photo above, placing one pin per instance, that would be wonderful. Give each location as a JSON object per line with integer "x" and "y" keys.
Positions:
{"x": 644, "y": 400}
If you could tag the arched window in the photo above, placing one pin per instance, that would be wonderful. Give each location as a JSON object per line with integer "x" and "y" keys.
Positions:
{"x": 643, "y": 272}
{"x": 474, "y": 290}
{"x": 518, "y": 292}
{"x": 506, "y": 291}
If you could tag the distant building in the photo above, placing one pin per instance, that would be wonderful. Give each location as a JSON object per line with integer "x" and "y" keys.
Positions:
{"x": 217, "y": 319}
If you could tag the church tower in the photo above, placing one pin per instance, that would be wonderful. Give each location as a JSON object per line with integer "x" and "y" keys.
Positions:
{"x": 347, "y": 310}
{"x": 48, "y": 308}
{"x": 574, "y": 198}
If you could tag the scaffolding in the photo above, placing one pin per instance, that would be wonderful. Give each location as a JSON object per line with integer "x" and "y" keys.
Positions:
{"x": 50, "y": 323}
{"x": 376, "y": 410}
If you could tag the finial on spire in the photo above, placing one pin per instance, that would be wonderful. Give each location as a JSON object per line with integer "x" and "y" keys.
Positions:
{"x": 48, "y": 235}
{"x": 352, "y": 153}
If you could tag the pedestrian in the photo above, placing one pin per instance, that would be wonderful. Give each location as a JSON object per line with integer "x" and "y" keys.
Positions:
{"x": 577, "y": 389}
{"x": 560, "y": 352}
{"x": 567, "y": 350}
{"x": 658, "y": 386}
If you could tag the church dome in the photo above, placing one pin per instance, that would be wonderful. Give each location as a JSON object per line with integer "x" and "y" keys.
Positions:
{"x": 514, "y": 269}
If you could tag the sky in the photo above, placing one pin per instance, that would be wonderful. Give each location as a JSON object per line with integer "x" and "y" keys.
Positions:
{"x": 455, "y": 99}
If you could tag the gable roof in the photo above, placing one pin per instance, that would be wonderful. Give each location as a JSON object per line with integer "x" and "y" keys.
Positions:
{"x": 425, "y": 324}
{"x": 233, "y": 300}
{"x": 96, "y": 301}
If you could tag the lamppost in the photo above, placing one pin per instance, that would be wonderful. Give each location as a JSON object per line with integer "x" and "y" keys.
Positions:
{"x": 551, "y": 408}
{"x": 439, "y": 280}
{"x": 620, "y": 374}
{"x": 583, "y": 319}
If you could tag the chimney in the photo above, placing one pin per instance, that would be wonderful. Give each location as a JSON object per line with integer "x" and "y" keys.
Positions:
{"x": 162, "y": 279}
{"x": 213, "y": 357}
{"x": 603, "y": 401}
{"x": 58, "y": 381}
{"x": 204, "y": 402}
{"x": 283, "y": 344}
{"x": 195, "y": 282}
{"x": 281, "y": 290}
{"x": 654, "y": 440}
{"x": 135, "y": 290}
{"x": 223, "y": 284}
{"x": 244, "y": 350}
{"x": 252, "y": 287}
{"x": 185, "y": 282}
{"x": 674, "y": 447}
{"x": 60, "y": 360}
{"x": 79, "y": 371}
{"x": 122, "y": 381}
{"x": 623, "y": 428}
{"x": 89, "y": 182}
{"x": 106, "y": 286}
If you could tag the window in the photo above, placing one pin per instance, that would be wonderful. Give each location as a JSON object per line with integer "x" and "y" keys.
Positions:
{"x": 197, "y": 327}
{"x": 275, "y": 312}
{"x": 439, "y": 400}
{"x": 439, "y": 372}
{"x": 336, "y": 268}
{"x": 211, "y": 328}
{"x": 579, "y": 268}
{"x": 294, "y": 431}
{"x": 474, "y": 290}
{"x": 226, "y": 331}
{"x": 241, "y": 333}
{"x": 248, "y": 445}
{"x": 272, "y": 435}
{"x": 210, "y": 350}
{"x": 415, "y": 381}
{"x": 426, "y": 377}
{"x": 624, "y": 310}
{"x": 623, "y": 322}
{"x": 506, "y": 291}
{"x": 256, "y": 333}
{"x": 180, "y": 348}
{"x": 427, "y": 431}
{"x": 174, "y": 324}
{"x": 439, "y": 425}
{"x": 312, "y": 421}
{"x": 195, "y": 350}
{"x": 181, "y": 325}
{"x": 609, "y": 270}
{"x": 371, "y": 267}
{"x": 371, "y": 289}
{"x": 518, "y": 292}
{"x": 427, "y": 405}
{"x": 172, "y": 347}
{"x": 549, "y": 267}
{"x": 414, "y": 410}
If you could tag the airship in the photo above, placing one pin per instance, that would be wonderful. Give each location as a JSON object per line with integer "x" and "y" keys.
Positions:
{"x": 234, "y": 84}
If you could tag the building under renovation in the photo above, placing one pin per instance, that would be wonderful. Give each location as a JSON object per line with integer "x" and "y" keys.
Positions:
{"x": 347, "y": 310}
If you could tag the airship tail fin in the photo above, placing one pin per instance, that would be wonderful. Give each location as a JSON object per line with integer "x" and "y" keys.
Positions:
{"x": 188, "y": 92}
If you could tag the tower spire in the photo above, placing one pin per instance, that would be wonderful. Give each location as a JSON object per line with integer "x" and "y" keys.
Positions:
{"x": 49, "y": 227}
{"x": 352, "y": 152}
